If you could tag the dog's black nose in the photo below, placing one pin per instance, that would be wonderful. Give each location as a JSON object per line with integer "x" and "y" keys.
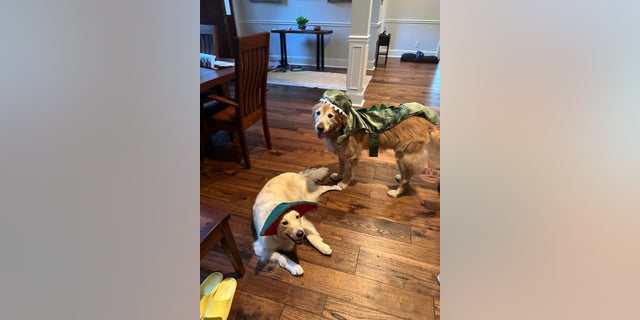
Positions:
{"x": 320, "y": 129}
{"x": 299, "y": 233}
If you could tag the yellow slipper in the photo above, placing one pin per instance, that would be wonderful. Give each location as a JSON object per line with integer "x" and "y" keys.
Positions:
{"x": 207, "y": 289}
{"x": 220, "y": 303}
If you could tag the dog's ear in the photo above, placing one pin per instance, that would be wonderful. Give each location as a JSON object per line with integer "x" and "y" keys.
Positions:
{"x": 342, "y": 119}
{"x": 434, "y": 134}
{"x": 315, "y": 108}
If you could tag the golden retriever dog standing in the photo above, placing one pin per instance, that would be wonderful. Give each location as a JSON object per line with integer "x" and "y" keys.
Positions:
{"x": 410, "y": 130}
{"x": 278, "y": 216}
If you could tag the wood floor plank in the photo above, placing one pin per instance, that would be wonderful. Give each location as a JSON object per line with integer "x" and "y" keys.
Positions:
{"x": 363, "y": 292}
{"x": 306, "y": 299}
{"x": 332, "y": 235}
{"x": 343, "y": 258}
{"x": 408, "y": 211}
{"x": 415, "y": 276}
{"x": 416, "y": 208}
{"x": 426, "y": 238}
{"x": 343, "y": 310}
{"x": 371, "y": 226}
{"x": 404, "y": 209}
{"x": 367, "y": 293}
{"x": 271, "y": 289}
{"x": 248, "y": 306}
{"x": 293, "y": 313}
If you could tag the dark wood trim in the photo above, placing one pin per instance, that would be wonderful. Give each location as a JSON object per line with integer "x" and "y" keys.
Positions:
{"x": 213, "y": 12}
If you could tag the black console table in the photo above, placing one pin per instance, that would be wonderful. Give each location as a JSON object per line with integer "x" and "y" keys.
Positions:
{"x": 319, "y": 44}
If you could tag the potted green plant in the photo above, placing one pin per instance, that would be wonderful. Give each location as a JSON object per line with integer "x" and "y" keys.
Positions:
{"x": 302, "y": 22}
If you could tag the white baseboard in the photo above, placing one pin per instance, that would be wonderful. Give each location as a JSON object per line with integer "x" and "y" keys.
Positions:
{"x": 399, "y": 53}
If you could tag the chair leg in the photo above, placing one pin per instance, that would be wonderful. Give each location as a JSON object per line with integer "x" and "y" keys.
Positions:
{"x": 265, "y": 129}
{"x": 205, "y": 140}
{"x": 242, "y": 136}
{"x": 202, "y": 146}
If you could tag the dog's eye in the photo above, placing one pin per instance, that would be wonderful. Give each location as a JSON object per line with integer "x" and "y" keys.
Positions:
{"x": 330, "y": 115}
{"x": 318, "y": 112}
{"x": 284, "y": 223}
{"x": 297, "y": 216}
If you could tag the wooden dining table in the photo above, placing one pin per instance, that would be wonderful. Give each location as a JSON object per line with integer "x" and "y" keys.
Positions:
{"x": 211, "y": 78}
{"x": 217, "y": 77}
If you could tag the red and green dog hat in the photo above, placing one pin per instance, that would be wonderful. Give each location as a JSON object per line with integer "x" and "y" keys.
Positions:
{"x": 271, "y": 225}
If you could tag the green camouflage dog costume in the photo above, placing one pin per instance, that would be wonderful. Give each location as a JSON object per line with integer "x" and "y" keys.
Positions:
{"x": 375, "y": 119}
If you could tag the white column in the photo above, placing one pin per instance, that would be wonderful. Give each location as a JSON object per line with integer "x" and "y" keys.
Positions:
{"x": 358, "y": 50}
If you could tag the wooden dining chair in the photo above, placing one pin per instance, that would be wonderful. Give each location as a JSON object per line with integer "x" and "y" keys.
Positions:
{"x": 250, "y": 102}
{"x": 209, "y": 41}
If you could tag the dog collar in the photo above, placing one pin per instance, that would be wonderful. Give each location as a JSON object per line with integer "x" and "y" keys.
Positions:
{"x": 271, "y": 224}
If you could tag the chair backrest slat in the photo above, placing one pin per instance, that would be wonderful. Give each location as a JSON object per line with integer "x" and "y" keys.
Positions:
{"x": 208, "y": 39}
{"x": 251, "y": 75}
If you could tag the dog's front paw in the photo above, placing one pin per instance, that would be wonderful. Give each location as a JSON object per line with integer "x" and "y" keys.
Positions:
{"x": 335, "y": 176}
{"x": 325, "y": 249}
{"x": 393, "y": 193}
{"x": 336, "y": 188}
{"x": 342, "y": 185}
{"x": 295, "y": 270}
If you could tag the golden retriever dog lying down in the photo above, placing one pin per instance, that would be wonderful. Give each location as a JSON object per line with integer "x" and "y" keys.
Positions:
{"x": 278, "y": 216}
{"x": 410, "y": 130}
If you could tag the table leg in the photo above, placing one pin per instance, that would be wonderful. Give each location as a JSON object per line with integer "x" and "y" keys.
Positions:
{"x": 317, "y": 52}
{"x": 282, "y": 49}
{"x": 209, "y": 243}
{"x": 322, "y": 48}
{"x": 231, "y": 250}
{"x": 284, "y": 46}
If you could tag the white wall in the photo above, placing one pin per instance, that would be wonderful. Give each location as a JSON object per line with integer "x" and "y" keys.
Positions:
{"x": 408, "y": 21}
{"x": 411, "y": 21}
{"x": 254, "y": 17}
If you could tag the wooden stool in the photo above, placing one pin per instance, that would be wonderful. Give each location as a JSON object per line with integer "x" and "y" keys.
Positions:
{"x": 383, "y": 41}
{"x": 214, "y": 228}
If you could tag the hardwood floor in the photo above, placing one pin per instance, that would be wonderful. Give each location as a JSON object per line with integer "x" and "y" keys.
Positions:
{"x": 386, "y": 252}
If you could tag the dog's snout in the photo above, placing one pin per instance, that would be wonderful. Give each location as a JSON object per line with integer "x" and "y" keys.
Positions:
{"x": 320, "y": 129}
{"x": 299, "y": 233}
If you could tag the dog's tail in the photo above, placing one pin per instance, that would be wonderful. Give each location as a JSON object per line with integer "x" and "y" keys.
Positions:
{"x": 433, "y": 146}
{"x": 315, "y": 174}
